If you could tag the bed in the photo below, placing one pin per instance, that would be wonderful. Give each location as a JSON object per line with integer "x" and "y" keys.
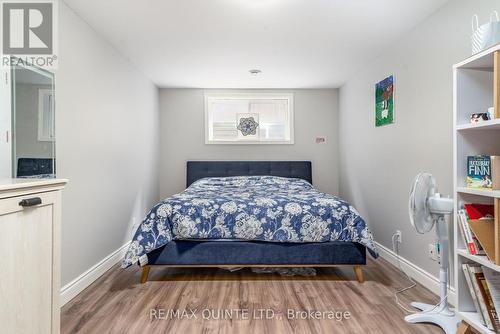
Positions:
{"x": 251, "y": 214}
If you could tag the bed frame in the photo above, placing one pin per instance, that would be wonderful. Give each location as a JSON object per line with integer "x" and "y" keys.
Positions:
{"x": 230, "y": 254}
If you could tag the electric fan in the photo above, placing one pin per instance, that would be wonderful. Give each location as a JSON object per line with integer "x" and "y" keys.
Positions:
{"x": 427, "y": 207}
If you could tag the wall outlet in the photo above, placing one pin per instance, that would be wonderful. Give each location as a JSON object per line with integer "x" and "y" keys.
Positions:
{"x": 320, "y": 140}
{"x": 398, "y": 236}
{"x": 433, "y": 252}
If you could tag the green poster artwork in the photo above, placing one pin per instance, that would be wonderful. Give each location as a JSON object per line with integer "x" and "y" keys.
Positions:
{"x": 384, "y": 102}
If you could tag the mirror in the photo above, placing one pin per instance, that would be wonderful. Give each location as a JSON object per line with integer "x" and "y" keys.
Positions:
{"x": 33, "y": 123}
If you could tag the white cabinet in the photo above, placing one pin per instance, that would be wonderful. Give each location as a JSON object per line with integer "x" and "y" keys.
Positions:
{"x": 30, "y": 219}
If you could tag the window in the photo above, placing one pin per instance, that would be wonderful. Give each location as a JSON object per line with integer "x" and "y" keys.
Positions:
{"x": 249, "y": 119}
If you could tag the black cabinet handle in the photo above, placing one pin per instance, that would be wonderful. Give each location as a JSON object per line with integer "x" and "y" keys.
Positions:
{"x": 30, "y": 201}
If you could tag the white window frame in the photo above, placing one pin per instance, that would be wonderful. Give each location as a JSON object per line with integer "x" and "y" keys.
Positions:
{"x": 249, "y": 96}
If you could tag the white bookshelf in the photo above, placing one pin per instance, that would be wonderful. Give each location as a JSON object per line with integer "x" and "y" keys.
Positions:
{"x": 476, "y": 86}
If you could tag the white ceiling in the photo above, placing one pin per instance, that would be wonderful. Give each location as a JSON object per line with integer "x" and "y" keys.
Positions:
{"x": 213, "y": 43}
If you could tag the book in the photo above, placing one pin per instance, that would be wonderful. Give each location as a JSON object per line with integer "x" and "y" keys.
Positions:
{"x": 462, "y": 231}
{"x": 476, "y": 273}
{"x": 490, "y": 306}
{"x": 493, "y": 279}
{"x": 473, "y": 245}
{"x": 473, "y": 293}
{"x": 483, "y": 172}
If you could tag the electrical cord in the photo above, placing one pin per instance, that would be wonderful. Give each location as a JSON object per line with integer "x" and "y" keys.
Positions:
{"x": 395, "y": 248}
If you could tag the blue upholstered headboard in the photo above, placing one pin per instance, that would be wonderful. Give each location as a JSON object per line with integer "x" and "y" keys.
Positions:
{"x": 199, "y": 169}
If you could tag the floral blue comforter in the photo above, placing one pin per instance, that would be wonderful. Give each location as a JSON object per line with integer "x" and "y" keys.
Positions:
{"x": 264, "y": 208}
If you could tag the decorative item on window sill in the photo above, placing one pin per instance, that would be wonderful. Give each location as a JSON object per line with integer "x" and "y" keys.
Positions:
{"x": 248, "y": 126}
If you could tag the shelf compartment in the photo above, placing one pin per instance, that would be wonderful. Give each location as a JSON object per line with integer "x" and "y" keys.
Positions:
{"x": 482, "y": 61}
{"x": 472, "y": 318}
{"x": 474, "y": 93}
{"x": 483, "y": 260}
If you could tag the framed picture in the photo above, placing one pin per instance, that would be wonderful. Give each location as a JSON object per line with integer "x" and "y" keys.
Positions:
{"x": 384, "y": 102}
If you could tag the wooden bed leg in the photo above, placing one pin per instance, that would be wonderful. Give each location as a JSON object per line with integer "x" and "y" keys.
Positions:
{"x": 358, "y": 270}
{"x": 145, "y": 274}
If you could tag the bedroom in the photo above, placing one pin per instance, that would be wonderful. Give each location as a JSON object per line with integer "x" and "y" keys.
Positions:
{"x": 249, "y": 162}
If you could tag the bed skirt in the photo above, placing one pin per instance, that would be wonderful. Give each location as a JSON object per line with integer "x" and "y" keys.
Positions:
{"x": 199, "y": 253}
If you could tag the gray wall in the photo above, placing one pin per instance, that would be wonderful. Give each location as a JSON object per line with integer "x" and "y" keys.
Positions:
{"x": 107, "y": 142}
{"x": 182, "y": 137}
{"x": 377, "y": 165}
{"x": 27, "y": 144}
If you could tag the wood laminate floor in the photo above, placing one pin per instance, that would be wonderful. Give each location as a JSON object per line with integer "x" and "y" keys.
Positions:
{"x": 117, "y": 303}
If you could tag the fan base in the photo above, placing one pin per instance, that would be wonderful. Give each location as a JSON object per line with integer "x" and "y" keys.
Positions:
{"x": 441, "y": 316}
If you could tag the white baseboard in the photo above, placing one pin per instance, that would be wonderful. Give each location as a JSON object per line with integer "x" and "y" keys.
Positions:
{"x": 418, "y": 274}
{"x": 73, "y": 288}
